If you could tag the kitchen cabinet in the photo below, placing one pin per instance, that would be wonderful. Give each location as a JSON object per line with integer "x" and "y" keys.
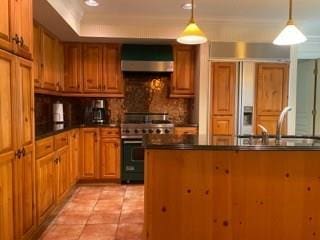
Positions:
{"x": 89, "y": 159}
{"x": 72, "y": 67}
{"x": 92, "y": 68}
{"x": 112, "y": 79}
{"x": 74, "y": 155}
{"x": 62, "y": 172}
{"x": 24, "y": 165}
{"x": 185, "y": 130}
{"x": 6, "y": 26}
{"x": 110, "y": 158}
{"x": 37, "y": 59}
{"x": 223, "y": 98}
{"x": 182, "y": 82}
{"x": 46, "y": 183}
{"x": 49, "y": 81}
{"x": 59, "y": 65}
{"x": 271, "y": 93}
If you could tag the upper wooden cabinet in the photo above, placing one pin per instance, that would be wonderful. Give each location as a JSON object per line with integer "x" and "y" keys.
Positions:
{"x": 37, "y": 58}
{"x": 72, "y": 67}
{"x": 271, "y": 94}
{"x": 182, "y": 84}
{"x": 92, "y": 68}
{"x": 223, "y": 98}
{"x": 16, "y": 27}
{"x": 49, "y": 81}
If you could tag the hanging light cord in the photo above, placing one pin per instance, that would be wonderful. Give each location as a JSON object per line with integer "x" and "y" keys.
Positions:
{"x": 192, "y": 11}
{"x": 290, "y": 11}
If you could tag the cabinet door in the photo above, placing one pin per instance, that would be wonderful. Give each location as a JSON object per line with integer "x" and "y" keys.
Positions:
{"x": 72, "y": 67}
{"x": 49, "y": 81}
{"x": 62, "y": 172}
{"x": 7, "y": 97}
{"x": 92, "y": 68}
{"x": 222, "y": 125}
{"x": 24, "y": 193}
{"x": 25, "y": 108}
{"x": 37, "y": 58}
{"x": 185, "y": 130}
{"x": 223, "y": 88}
{"x": 270, "y": 123}
{"x": 59, "y": 66}
{"x": 6, "y": 18}
{"x": 23, "y": 23}
{"x": 271, "y": 88}
{"x": 74, "y": 156}
{"x": 110, "y": 158}
{"x": 6, "y": 196}
{"x": 112, "y": 75}
{"x": 45, "y": 181}
{"x": 89, "y": 157}
{"x": 182, "y": 84}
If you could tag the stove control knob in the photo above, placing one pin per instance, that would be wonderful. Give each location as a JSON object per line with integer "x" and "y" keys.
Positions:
{"x": 150, "y": 131}
{"x": 167, "y": 131}
{"x": 144, "y": 131}
{"x": 127, "y": 131}
{"x": 158, "y": 131}
{"x": 136, "y": 131}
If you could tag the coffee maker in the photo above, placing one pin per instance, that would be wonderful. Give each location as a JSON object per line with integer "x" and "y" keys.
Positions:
{"x": 99, "y": 112}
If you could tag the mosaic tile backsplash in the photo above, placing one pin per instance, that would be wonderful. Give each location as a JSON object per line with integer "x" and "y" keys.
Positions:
{"x": 143, "y": 93}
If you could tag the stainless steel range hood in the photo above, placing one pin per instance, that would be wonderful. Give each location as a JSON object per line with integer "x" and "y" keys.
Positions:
{"x": 147, "y": 58}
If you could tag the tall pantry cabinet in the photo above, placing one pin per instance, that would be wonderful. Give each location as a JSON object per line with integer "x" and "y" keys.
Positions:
{"x": 17, "y": 191}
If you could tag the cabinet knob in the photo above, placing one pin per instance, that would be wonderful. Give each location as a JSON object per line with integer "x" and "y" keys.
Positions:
{"x": 16, "y": 39}
{"x": 21, "y": 41}
{"x": 18, "y": 154}
{"x": 23, "y": 152}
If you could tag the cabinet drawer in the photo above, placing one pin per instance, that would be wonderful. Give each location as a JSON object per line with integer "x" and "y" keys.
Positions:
{"x": 185, "y": 130}
{"x": 44, "y": 147}
{"x": 109, "y": 132}
{"x": 61, "y": 140}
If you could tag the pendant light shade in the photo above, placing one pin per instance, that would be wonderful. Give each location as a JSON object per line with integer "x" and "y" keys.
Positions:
{"x": 192, "y": 34}
{"x": 290, "y": 35}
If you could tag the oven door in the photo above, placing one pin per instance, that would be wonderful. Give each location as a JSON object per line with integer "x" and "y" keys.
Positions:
{"x": 132, "y": 160}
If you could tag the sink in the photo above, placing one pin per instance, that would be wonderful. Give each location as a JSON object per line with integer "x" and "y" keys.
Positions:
{"x": 285, "y": 141}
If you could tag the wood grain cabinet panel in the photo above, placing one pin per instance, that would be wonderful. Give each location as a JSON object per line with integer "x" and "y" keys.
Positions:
{"x": 72, "y": 67}
{"x": 92, "y": 68}
{"x": 112, "y": 82}
{"x": 182, "y": 83}
{"x": 6, "y": 26}
{"x": 89, "y": 158}
{"x": 45, "y": 180}
{"x": 49, "y": 81}
{"x": 62, "y": 172}
{"x": 37, "y": 58}
{"x": 74, "y": 156}
{"x": 110, "y": 158}
{"x": 223, "y": 125}
{"x": 185, "y": 130}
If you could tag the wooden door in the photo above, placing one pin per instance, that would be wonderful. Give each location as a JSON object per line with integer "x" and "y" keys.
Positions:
{"x": 182, "y": 84}
{"x": 72, "y": 67}
{"x": 6, "y": 196}
{"x": 59, "y": 66}
{"x": 45, "y": 181}
{"x": 7, "y": 101}
{"x": 23, "y": 24}
{"x": 112, "y": 76}
{"x": 223, "y": 98}
{"x": 24, "y": 193}
{"x": 271, "y": 93}
{"x": 74, "y": 156}
{"x": 89, "y": 158}
{"x": 92, "y": 68}
{"x": 110, "y": 158}
{"x": 6, "y": 27}
{"x": 62, "y": 172}
{"x": 49, "y": 81}
{"x": 223, "y": 88}
{"x": 37, "y": 57}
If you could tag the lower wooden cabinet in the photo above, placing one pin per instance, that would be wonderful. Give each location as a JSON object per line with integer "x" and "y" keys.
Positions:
{"x": 6, "y": 214}
{"x": 222, "y": 125}
{"x": 62, "y": 172}
{"x": 110, "y": 158}
{"x": 46, "y": 182}
{"x": 185, "y": 130}
{"x": 74, "y": 137}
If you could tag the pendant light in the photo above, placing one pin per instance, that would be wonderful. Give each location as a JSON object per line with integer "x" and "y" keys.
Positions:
{"x": 192, "y": 34}
{"x": 290, "y": 35}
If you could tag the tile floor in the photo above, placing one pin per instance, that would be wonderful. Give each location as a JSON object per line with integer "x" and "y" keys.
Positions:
{"x": 111, "y": 212}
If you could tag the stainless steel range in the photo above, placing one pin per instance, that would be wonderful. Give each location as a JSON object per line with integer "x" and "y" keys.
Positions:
{"x": 134, "y": 127}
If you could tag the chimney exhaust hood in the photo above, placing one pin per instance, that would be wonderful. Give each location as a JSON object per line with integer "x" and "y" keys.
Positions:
{"x": 147, "y": 58}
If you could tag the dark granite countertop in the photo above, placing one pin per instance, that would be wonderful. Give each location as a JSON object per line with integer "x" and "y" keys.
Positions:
{"x": 218, "y": 143}
{"x": 47, "y": 131}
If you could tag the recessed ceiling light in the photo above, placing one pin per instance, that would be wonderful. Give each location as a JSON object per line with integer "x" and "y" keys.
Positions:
{"x": 91, "y": 3}
{"x": 187, "y": 6}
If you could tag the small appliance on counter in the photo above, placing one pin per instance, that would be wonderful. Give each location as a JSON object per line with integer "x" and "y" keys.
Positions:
{"x": 99, "y": 115}
{"x": 58, "y": 116}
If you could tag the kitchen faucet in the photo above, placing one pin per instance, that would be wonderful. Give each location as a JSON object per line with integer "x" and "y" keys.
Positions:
{"x": 280, "y": 122}
{"x": 265, "y": 134}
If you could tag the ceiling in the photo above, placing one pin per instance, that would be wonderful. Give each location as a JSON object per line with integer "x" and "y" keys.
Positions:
{"x": 222, "y": 20}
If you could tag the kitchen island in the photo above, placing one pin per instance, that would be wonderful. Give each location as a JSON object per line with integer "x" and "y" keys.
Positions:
{"x": 228, "y": 188}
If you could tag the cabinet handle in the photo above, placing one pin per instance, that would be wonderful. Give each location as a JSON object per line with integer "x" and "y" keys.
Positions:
{"x": 18, "y": 154}
{"x": 48, "y": 146}
{"x": 16, "y": 39}
{"x": 59, "y": 159}
{"x": 56, "y": 161}
{"x": 21, "y": 41}
{"x": 23, "y": 152}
